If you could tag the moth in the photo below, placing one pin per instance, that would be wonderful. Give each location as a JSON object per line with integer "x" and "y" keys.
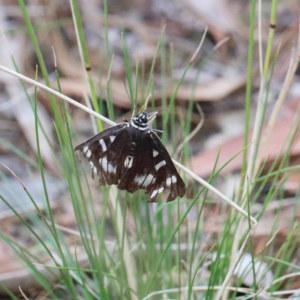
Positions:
{"x": 132, "y": 156}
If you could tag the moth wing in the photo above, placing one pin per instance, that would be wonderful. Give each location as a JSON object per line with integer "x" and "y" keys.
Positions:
{"x": 107, "y": 152}
{"x": 152, "y": 169}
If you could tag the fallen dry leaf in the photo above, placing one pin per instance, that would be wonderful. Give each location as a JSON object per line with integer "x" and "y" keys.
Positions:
{"x": 211, "y": 91}
{"x": 203, "y": 163}
{"x": 216, "y": 14}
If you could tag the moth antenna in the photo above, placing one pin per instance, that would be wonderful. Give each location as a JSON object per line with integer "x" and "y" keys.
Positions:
{"x": 163, "y": 109}
{"x": 152, "y": 116}
{"x": 144, "y": 107}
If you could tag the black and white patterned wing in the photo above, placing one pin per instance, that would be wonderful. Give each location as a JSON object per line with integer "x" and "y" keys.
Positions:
{"x": 152, "y": 169}
{"x": 107, "y": 152}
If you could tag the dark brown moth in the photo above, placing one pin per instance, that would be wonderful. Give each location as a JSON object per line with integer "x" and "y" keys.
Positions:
{"x": 132, "y": 156}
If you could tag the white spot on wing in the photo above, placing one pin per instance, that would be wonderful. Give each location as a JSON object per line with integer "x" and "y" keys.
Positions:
{"x": 155, "y": 153}
{"x": 92, "y": 164}
{"x": 112, "y": 138}
{"x": 159, "y": 165}
{"x": 168, "y": 181}
{"x": 111, "y": 168}
{"x": 85, "y": 149}
{"x": 174, "y": 179}
{"x": 148, "y": 180}
{"x": 160, "y": 190}
{"x": 139, "y": 179}
{"x": 154, "y": 193}
{"x": 95, "y": 170}
{"x": 104, "y": 163}
{"x": 128, "y": 161}
{"x": 88, "y": 154}
{"x": 103, "y": 145}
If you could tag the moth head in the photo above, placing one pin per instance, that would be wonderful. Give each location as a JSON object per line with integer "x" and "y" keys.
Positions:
{"x": 144, "y": 118}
